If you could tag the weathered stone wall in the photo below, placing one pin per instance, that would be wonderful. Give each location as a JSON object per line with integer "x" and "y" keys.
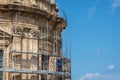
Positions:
{"x": 28, "y": 34}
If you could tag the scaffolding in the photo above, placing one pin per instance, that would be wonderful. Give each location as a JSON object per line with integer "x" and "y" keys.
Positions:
{"x": 32, "y": 54}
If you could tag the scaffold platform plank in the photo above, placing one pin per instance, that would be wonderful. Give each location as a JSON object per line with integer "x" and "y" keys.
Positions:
{"x": 34, "y": 72}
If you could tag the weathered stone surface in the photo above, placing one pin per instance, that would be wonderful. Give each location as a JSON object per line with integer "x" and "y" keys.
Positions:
{"x": 29, "y": 28}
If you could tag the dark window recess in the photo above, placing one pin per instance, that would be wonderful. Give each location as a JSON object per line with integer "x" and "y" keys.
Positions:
{"x": 45, "y": 62}
{"x": 1, "y": 61}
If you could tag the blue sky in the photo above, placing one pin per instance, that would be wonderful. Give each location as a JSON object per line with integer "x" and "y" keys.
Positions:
{"x": 94, "y": 32}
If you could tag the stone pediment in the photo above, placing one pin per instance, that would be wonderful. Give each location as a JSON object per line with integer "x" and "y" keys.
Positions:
{"x": 4, "y": 35}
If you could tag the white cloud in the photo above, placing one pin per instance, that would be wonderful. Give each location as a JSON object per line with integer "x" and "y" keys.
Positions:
{"x": 115, "y": 5}
{"x": 91, "y": 11}
{"x": 111, "y": 67}
{"x": 98, "y": 76}
{"x": 89, "y": 76}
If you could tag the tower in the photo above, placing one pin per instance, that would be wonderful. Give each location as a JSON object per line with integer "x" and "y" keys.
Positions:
{"x": 30, "y": 41}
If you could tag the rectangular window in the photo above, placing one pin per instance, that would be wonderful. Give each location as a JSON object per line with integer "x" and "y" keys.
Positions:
{"x": 1, "y": 61}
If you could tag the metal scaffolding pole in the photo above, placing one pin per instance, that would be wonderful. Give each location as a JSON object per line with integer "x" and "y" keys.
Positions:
{"x": 41, "y": 50}
{"x": 53, "y": 56}
{"x": 39, "y": 56}
{"x": 27, "y": 58}
{"x": 4, "y": 42}
{"x": 32, "y": 50}
{"x": 70, "y": 62}
{"x": 47, "y": 49}
{"x": 15, "y": 44}
{"x": 10, "y": 48}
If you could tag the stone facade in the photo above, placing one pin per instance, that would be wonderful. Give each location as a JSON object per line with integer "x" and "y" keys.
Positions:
{"x": 30, "y": 37}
